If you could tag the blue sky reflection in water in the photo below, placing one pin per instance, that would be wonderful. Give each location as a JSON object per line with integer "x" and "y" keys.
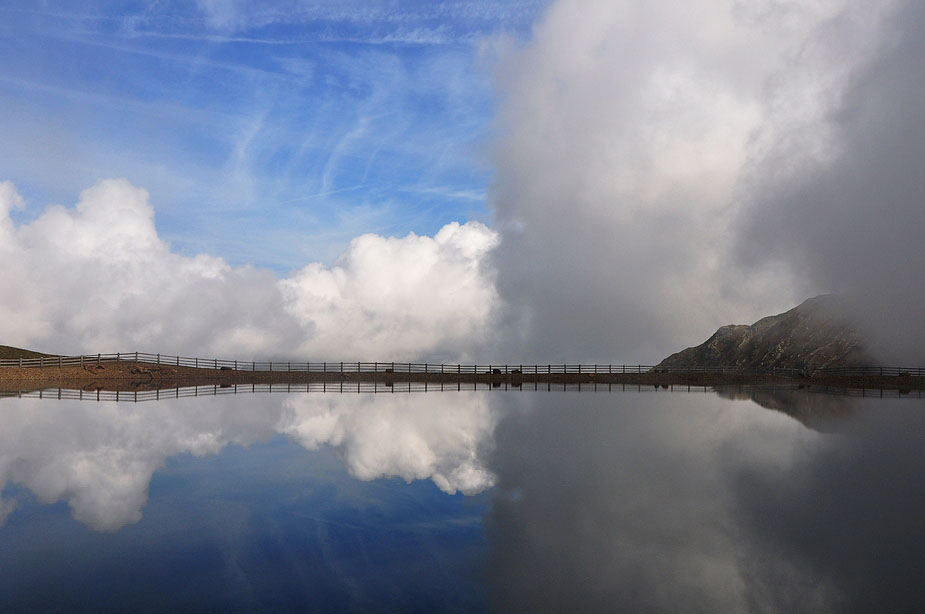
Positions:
{"x": 634, "y": 501}
{"x": 271, "y": 527}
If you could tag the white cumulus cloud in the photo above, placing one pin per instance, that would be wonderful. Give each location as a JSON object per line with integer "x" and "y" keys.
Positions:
{"x": 410, "y": 294}
{"x": 97, "y": 277}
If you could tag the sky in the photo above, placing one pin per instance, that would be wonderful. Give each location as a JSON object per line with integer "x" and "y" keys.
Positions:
{"x": 266, "y": 133}
{"x": 604, "y": 181}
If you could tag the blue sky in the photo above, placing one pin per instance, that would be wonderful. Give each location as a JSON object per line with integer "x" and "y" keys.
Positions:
{"x": 670, "y": 136}
{"x": 266, "y": 133}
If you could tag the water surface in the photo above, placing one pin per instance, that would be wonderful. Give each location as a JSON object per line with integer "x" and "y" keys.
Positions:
{"x": 652, "y": 500}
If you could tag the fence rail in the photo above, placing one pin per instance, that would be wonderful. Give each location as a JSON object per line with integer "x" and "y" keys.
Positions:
{"x": 315, "y": 367}
{"x": 355, "y": 387}
{"x": 409, "y": 387}
{"x": 872, "y": 371}
{"x": 406, "y": 367}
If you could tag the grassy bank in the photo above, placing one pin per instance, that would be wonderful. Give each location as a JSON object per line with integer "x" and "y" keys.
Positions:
{"x": 7, "y": 351}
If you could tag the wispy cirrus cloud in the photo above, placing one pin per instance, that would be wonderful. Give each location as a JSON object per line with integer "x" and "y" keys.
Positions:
{"x": 233, "y": 133}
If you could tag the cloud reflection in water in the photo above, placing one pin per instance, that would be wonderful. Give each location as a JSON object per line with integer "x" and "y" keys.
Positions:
{"x": 616, "y": 502}
{"x": 661, "y": 502}
{"x": 100, "y": 457}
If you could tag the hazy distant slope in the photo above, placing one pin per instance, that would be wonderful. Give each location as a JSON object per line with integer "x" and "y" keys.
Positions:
{"x": 815, "y": 334}
{"x": 7, "y": 351}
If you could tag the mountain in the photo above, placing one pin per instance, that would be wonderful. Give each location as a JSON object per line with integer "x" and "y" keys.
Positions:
{"x": 815, "y": 334}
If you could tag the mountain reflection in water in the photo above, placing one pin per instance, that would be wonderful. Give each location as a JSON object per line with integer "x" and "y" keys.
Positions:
{"x": 621, "y": 502}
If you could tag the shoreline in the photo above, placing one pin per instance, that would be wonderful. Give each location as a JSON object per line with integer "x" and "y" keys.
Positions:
{"x": 128, "y": 376}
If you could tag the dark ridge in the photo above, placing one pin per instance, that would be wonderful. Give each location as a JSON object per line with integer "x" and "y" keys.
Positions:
{"x": 7, "y": 352}
{"x": 816, "y": 334}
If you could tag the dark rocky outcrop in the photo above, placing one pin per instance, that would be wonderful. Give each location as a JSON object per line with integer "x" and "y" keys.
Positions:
{"x": 816, "y": 334}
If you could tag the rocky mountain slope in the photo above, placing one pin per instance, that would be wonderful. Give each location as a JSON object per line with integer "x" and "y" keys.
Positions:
{"x": 815, "y": 334}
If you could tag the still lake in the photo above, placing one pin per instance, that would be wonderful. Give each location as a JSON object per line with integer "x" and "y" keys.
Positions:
{"x": 751, "y": 499}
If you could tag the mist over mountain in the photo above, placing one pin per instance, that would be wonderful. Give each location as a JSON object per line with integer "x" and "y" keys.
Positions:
{"x": 818, "y": 333}
{"x": 667, "y": 169}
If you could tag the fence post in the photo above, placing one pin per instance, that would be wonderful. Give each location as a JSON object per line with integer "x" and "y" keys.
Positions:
{"x": 158, "y": 359}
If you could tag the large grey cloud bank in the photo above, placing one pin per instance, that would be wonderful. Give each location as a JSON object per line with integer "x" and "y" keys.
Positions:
{"x": 849, "y": 213}
{"x": 665, "y": 168}
{"x": 97, "y": 277}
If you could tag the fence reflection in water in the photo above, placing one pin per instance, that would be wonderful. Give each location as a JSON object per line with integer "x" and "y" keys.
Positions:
{"x": 364, "y": 387}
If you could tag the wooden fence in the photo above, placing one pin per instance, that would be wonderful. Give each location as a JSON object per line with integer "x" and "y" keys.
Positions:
{"x": 345, "y": 366}
{"x": 871, "y": 371}
{"x": 354, "y": 387}
{"x": 410, "y": 387}
{"x": 409, "y": 367}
